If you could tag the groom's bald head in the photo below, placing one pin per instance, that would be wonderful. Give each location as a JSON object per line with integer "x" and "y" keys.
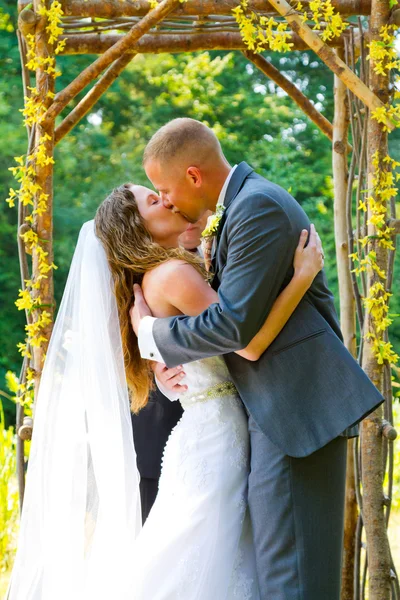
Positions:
{"x": 185, "y": 163}
{"x": 185, "y": 142}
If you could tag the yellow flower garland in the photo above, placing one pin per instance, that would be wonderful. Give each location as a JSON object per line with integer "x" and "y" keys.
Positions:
{"x": 25, "y": 174}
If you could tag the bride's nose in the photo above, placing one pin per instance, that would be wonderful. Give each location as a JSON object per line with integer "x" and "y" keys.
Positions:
{"x": 166, "y": 202}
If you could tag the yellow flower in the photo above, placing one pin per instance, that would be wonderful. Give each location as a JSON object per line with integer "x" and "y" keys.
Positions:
{"x": 12, "y": 382}
{"x": 23, "y": 349}
{"x": 24, "y": 301}
{"x": 362, "y": 206}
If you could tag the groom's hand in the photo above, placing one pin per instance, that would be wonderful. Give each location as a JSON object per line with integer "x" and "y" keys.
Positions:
{"x": 139, "y": 308}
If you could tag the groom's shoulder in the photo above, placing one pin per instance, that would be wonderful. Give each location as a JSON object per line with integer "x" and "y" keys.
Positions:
{"x": 257, "y": 184}
{"x": 259, "y": 192}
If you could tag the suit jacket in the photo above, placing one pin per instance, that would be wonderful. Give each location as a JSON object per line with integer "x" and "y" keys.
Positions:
{"x": 151, "y": 429}
{"x": 306, "y": 389}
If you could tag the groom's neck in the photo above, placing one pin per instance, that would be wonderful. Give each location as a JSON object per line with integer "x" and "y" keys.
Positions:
{"x": 215, "y": 181}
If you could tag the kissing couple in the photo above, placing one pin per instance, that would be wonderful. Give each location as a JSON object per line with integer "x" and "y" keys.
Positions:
{"x": 251, "y": 496}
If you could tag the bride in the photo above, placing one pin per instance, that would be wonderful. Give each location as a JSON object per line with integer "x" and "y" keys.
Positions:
{"x": 80, "y": 535}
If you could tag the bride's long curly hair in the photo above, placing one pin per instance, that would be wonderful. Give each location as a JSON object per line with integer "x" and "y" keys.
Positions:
{"x": 131, "y": 252}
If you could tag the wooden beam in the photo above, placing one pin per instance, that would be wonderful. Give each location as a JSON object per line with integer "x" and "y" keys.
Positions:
{"x": 84, "y": 106}
{"x": 328, "y": 56}
{"x": 95, "y": 43}
{"x": 287, "y": 86}
{"x": 106, "y": 59}
{"x": 139, "y": 8}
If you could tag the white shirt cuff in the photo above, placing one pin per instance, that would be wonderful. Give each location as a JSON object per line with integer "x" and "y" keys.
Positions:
{"x": 173, "y": 396}
{"x": 147, "y": 346}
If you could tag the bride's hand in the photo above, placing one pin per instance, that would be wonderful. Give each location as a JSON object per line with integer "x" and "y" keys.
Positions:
{"x": 308, "y": 260}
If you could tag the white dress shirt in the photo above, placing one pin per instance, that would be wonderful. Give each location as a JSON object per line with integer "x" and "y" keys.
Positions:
{"x": 147, "y": 345}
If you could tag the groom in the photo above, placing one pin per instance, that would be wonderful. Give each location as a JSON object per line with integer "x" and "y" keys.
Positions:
{"x": 302, "y": 395}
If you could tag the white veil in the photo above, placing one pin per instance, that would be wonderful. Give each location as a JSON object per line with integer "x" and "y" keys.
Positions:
{"x": 81, "y": 509}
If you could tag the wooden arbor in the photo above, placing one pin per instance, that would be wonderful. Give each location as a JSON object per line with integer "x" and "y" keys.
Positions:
{"x": 117, "y": 30}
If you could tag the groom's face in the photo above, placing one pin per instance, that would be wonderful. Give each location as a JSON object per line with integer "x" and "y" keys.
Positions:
{"x": 180, "y": 188}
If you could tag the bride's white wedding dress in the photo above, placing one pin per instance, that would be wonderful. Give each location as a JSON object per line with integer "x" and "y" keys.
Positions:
{"x": 80, "y": 533}
{"x": 196, "y": 543}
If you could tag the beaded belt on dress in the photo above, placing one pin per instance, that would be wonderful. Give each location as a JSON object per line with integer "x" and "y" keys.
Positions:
{"x": 226, "y": 388}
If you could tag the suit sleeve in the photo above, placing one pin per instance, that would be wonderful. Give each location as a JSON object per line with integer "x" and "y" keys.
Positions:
{"x": 261, "y": 246}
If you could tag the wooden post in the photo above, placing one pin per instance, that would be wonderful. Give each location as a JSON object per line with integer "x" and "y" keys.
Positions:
{"x": 347, "y": 308}
{"x": 43, "y": 223}
{"x": 378, "y": 551}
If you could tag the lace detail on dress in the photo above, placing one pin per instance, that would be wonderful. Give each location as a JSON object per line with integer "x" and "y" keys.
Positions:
{"x": 242, "y": 505}
{"x": 188, "y": 570}
{"x": 239, "y": 455}
{"x": 203, "y": 492}
{"x": 242, "y": 584}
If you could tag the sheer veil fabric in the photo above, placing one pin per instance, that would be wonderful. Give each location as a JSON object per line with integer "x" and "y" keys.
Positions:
{"x": 82, "y": 465}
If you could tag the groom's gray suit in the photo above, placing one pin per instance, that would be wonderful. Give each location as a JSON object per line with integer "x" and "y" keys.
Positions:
{"x": 301, "y": 396}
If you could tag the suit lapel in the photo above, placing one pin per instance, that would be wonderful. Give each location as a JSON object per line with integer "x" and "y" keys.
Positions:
{"x": 238, "y": 178}
{"x": 242, "y": 171}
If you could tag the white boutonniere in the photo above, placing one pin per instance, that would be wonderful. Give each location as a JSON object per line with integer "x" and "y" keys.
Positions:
{"x": 213, "y": 222}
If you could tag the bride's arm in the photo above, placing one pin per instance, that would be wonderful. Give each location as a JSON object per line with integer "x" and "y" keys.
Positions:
{"x": 184, "y": 288}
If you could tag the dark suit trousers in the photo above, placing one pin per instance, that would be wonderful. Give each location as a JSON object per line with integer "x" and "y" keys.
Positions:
{"x": 151, "y": 429}
{"x": 148, "y": 493}
{"x": 297, "y": 512}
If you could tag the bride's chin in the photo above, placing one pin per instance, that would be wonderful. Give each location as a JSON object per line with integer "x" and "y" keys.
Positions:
{"x": 170, "y": 242}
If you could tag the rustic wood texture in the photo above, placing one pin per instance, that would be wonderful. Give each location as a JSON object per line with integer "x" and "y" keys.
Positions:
{"x": 84, "y": 106}
{"x": 328, "y": 56}
{"x": 97, "y": 43}
{"x": 43, "y": 224}
{"x": 347, "y": 308}
{"x": 202, "y": 8}
{"x": 378, "y": 551}
{"x": 93, "y": 71}
{"x": 297, "y": 96}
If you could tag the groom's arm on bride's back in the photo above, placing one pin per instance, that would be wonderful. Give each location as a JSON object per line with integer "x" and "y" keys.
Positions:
{"x": 260, "y": 249}
{"x": 185, "y": 289}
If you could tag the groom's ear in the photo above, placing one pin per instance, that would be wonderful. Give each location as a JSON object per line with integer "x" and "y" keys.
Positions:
{"x": 194, "y": 175}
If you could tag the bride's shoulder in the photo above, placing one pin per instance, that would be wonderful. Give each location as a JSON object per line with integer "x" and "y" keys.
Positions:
{"x": 165, "y": 269}
{"x": 166, "y": 273}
